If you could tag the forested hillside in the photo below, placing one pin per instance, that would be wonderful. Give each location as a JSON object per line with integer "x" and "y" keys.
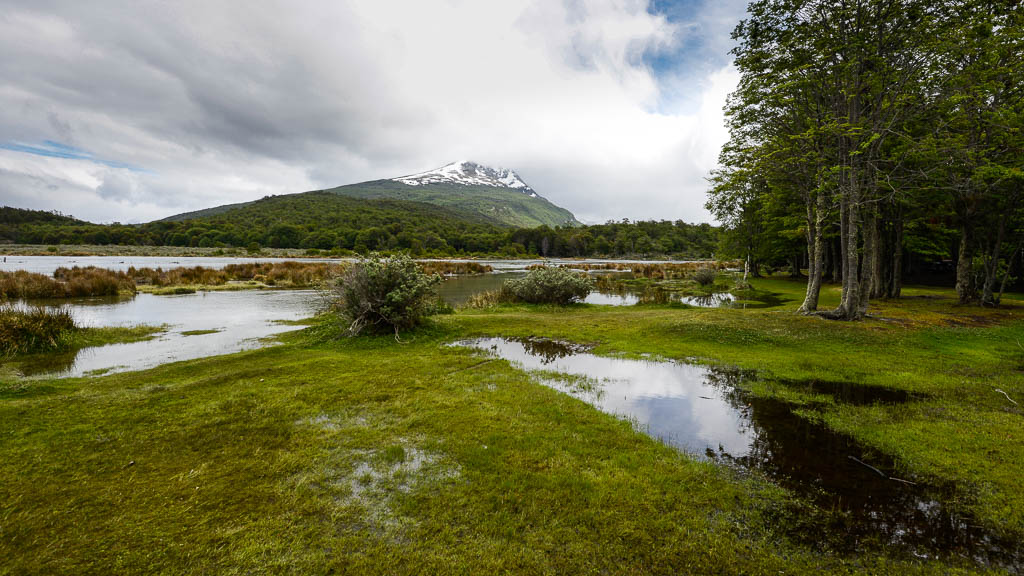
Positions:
{"x": 506, "y": 206}
{"x": 871, "y": 139}
{"x": 332, "y": 222}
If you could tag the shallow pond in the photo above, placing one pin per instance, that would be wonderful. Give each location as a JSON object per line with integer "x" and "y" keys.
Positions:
{"x": 626, "y": 297}
{"x": 856, "y": 494}
{"x": 198, "y": 325}
{"x": 457, "y": 290}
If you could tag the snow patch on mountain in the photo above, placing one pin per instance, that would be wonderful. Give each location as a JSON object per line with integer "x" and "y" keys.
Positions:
{"x": 470, "y": 174}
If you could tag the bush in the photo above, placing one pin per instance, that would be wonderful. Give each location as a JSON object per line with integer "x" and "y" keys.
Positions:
{"x": 705, "y": 276}
{"x": 34, "y": 330}
{"x": 550, "y": 286}
{"x": 379, "y": 293}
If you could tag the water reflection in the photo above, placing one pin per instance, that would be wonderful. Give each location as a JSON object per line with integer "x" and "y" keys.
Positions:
{"x": 856, "y": 496}
{"x": 457, "y": 290}
{"x": 240, "y": 319}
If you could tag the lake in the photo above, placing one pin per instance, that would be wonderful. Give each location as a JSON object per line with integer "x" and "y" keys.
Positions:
{"x": 241, "y": 319}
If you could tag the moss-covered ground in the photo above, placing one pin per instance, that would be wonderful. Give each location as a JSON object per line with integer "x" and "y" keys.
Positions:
{"x": 368, "y": 456}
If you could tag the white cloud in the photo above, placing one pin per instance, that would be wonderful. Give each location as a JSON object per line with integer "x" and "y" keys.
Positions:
{"x": 220, "y": 104}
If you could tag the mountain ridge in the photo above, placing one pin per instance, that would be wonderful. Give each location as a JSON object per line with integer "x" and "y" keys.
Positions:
{"x": 498, "y": 195}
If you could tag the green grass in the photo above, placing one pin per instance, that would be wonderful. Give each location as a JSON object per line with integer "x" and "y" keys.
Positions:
{"x": 104, "y": 335}
{"x": 200, "y": 332}
{"x": 367, "y": 456}
{"x": 71, "y": 342}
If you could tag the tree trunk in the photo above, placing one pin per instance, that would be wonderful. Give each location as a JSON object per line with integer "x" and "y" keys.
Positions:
{"x": 867, "y": 280}
{"x": 877, "y": 272}
{"x": 992, "y": 270}
{"x": 816, "y": 251}
{"x": 844, "y": 231}
{"x": 826, "y": 262}
{"x": 897, "y": 258}
{"x": 849, "y": 306}
{"x": 837, "y": 261}
{"x": 1006, "y": 274}
{"x": 964, "y": 280}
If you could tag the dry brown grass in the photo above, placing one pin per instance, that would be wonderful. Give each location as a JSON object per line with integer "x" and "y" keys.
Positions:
{"x": 455, "y": 268}
{"x": 286, "y": 274}
{"x": 65, "y": 283}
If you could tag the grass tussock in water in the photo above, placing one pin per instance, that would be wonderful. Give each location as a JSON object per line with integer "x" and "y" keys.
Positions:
{"x": 35, "y": 330}
{"x": 455, "y": 268}
{"x": 93, "y": 281}
{"x": 65, "y": 283}
{"x": 292, "y": 274}
{"x": 289, "y": 274}
{"x": 179, "y": 276}
{"x": 487, "y": 299}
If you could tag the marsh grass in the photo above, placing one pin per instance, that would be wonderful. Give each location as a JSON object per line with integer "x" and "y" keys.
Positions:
{"x": 487, "y": 299}
{"x": 92, "y": 281}
{"x": 284, "y": 274}
{"x": 73, "y": 282}
{"x": 240, "y": 276}
{"x": 454, "y": 268}
{"x": 35, "y": 330}
{"x": 201, "y": 332}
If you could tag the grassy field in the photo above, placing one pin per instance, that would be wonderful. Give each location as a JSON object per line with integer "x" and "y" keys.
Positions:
{"x": 366, "y": 456}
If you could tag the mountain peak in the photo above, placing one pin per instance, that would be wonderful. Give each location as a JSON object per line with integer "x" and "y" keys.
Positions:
{"x": 469, "y": 173}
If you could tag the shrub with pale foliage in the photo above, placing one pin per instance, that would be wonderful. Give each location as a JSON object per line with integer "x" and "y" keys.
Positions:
{"x": 550, "y": 286}
{"x": 383, "y": 294}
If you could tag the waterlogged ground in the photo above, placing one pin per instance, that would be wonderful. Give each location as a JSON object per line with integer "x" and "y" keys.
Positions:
{"x": 847, "y": 489}
{"x": 757, "y": 442}
{"x": 226, "y": 322}
{"x": 195, "y": 326}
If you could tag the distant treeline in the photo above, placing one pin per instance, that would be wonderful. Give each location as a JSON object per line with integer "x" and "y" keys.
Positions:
{"x": 337, "y": 224}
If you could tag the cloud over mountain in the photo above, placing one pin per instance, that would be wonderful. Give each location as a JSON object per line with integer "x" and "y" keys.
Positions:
{"x": 178, "y": 106}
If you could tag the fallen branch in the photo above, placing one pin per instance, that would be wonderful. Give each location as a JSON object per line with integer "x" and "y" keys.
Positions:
{"x": 1014, "y": 402}
{"x": 477, "y": 365}
{"x": 895, "y": 479}
{"x": 866, "y": 465}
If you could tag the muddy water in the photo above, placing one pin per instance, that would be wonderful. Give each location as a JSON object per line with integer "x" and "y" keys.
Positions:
{"x": 851, "y": 497}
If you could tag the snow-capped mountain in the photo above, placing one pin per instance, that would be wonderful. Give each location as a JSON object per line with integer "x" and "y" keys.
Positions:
{"x": 469, "y": 190}
{"x": 469, "y": 174}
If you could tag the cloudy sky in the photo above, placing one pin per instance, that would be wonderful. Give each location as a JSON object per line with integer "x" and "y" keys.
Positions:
{"x": 139, "y": 109}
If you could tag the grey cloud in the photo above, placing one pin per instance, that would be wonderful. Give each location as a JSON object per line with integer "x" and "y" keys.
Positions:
{"x": 225, "y": 102}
